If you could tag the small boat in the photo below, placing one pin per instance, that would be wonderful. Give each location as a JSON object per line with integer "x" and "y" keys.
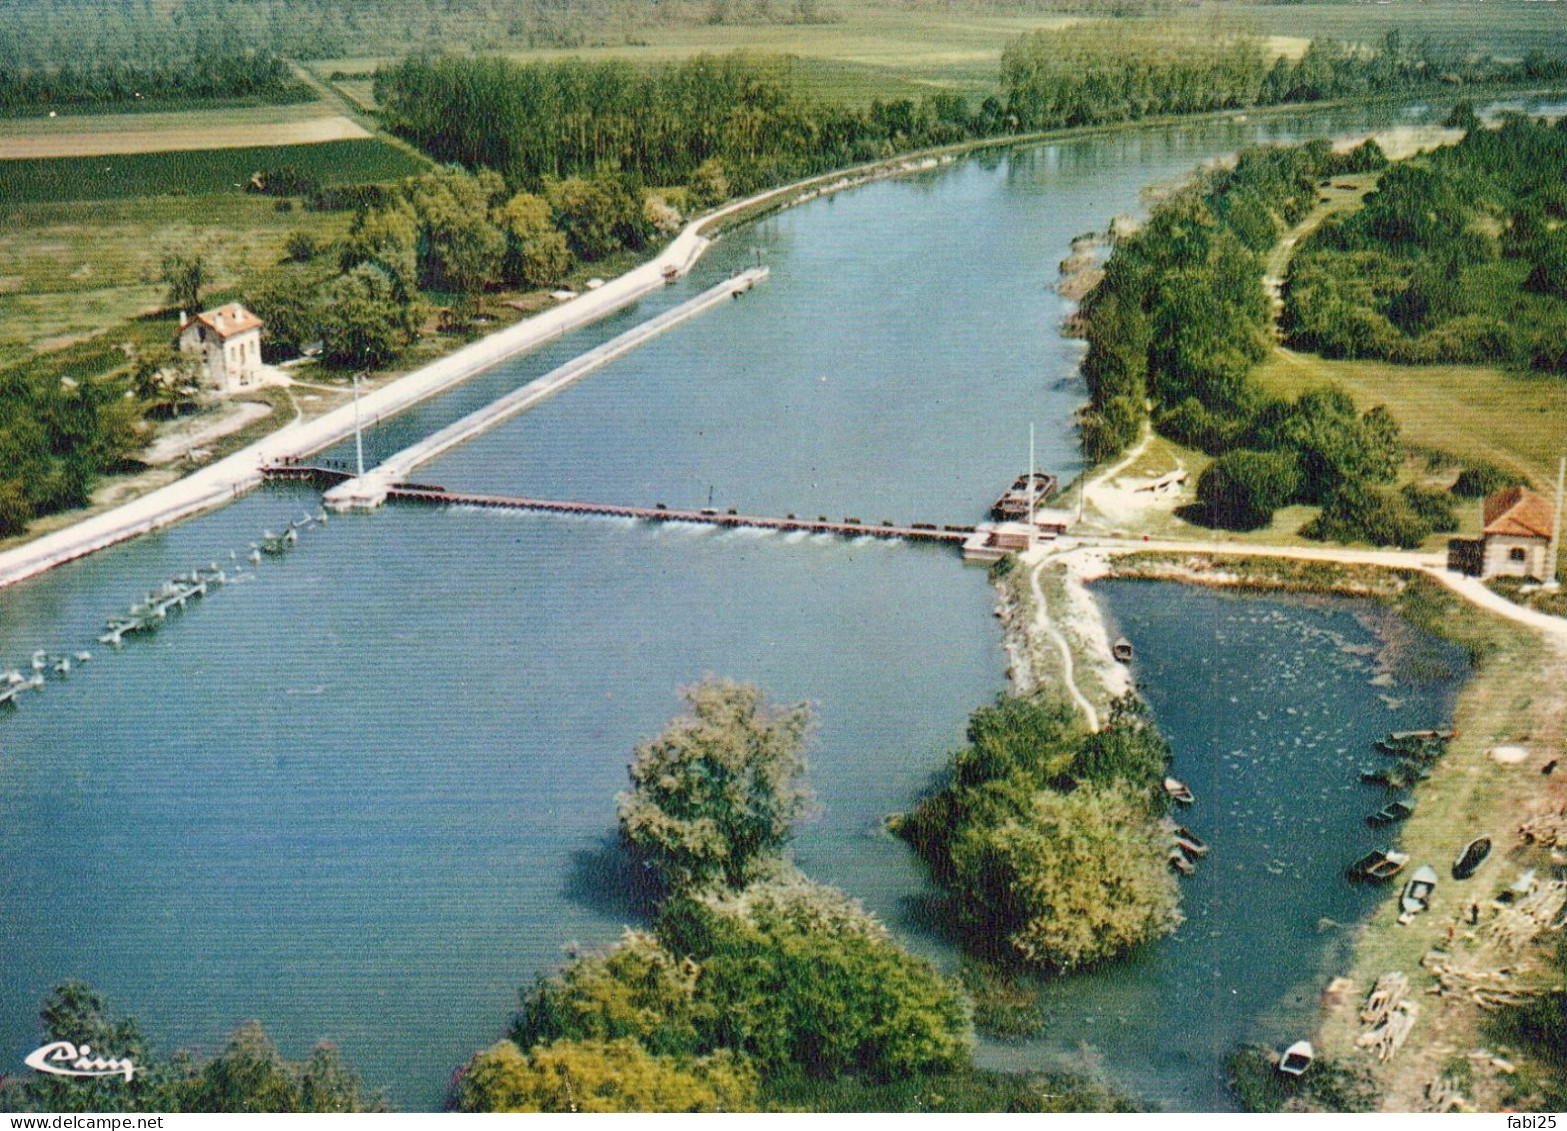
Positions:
{"x": 1122, "y": 650}
{"x": 1188, "y": 842}
{"x": 1399, "y": 776}
{"x": 1397, "y": 736}
{"x": 1181, "y": 862}
{"x": 1426, "y": 749}
{"x": 1392, "y": 812}
{"x": 1380, "y": 864}
{"x": 1297, "y": 1058}
{"x": 62, "y": 665}
{"x": 1417, "y": 892}
{"x": 1178, "y": 791}
{"x": 1470, "y": 859}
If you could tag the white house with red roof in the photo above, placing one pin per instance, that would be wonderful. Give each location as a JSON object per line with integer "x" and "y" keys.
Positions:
{"x": 228, "y": 339}
{"x": 1517, "y": 535}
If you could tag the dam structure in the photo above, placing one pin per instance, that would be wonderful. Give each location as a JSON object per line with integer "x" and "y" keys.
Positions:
{"x": 367, "y": 490}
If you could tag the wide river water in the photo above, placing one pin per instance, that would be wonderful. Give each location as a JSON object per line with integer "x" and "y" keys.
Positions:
{"x": 370, "y": 794}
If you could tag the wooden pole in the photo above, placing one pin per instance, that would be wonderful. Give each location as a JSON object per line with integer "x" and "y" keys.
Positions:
{"x": 1553, "y": 559}
{"x": 1033, "y": 526}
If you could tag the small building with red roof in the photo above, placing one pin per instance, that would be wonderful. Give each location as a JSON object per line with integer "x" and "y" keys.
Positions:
{"x": 228, "y": 340}
{"x": 1517, "y": 534}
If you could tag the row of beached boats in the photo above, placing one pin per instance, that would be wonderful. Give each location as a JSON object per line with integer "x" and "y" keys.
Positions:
{"x": 150, "y": 613}
{"x": 1415, "y": 752}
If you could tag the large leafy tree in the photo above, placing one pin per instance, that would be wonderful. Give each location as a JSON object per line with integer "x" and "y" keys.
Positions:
{"x": 1079, "y": 879}
{"x": 366, "y": 318}
{"x": 536, "y": 254}
{"x": 387, "y": 237}
{"x": 599, "y": 215}
{"x": 185, "y": 273}
{"x": 459, "y": 248}
{"x": 719, "y": 792}
{"x": 1241, "y": 489}
{"x": 803, "y": 980}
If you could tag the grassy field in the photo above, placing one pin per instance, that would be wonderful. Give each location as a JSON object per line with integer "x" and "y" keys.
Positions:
{"x": 1471, "y": 412}
{"x": 1505, "y": 28}
{"x": 70, "y": 269}
{"x": 871, "y": 52}
{"x": 875, "y": 50}
{"x": 226, "y": 127}
{"x": 197, "y": 172}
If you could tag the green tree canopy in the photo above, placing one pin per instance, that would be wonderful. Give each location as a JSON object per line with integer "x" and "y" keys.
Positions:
{"x": 601, "y": 1076}
{"x": 1080, "y": 879}
{"x": 185, "y": 273}
{"x": 366, "y": 319}
{"x": 720, "y": 791}
{"x": 1241, "y": 489}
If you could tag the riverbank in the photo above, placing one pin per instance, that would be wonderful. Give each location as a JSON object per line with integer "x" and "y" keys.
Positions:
{"x": 227, "y": 478}
{"x": 1516, "y": 695}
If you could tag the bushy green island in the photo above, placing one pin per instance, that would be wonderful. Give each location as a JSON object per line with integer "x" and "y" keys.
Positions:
{"x": 1051, "y": 842}
{"x": 756, "y": 988}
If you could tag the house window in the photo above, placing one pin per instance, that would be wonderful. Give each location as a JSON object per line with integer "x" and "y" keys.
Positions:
{"x": 1517, "y": 554}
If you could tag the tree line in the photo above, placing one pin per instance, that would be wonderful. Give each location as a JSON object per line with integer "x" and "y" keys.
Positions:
{"x": 58, "y": 434}
{"x": 1089, "y": 75}
{"x": 104, "y": 83}
{"x": 249, "y": 1074}
{"x": 45, "y": 33}
{"x": 1457, "y": 256}
{"x": 658, "y": 125}
{"x": 447, "y": 236}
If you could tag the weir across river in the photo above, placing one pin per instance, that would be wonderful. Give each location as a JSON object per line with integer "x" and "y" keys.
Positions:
{"x": 848, "y": 527}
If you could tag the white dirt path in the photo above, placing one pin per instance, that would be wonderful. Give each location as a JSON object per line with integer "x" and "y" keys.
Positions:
{"x": 1045, "y": 624}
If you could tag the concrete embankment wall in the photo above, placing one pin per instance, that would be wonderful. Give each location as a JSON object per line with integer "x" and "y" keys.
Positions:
{"x": 228, "y": 478}
{"x": 371, "y": 490}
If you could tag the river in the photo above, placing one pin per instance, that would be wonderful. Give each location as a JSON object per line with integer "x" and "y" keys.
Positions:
{"x": 371, "y": 794}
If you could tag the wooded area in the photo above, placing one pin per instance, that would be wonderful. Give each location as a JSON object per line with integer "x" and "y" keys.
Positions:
{"x": 1458, "y": 256}
{"x": 202, "y": 76}
{"x": 1179, "y": 321}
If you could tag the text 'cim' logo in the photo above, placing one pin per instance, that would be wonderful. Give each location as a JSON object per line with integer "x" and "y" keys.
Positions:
{"x": 62, "y": 1058}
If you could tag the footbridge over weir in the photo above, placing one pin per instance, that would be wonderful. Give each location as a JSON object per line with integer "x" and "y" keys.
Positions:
{"x": 848, "y": 527}
{"x": 371, "y": 489}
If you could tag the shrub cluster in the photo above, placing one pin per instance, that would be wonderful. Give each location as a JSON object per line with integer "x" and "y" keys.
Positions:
{"x": 1049, "y": 841}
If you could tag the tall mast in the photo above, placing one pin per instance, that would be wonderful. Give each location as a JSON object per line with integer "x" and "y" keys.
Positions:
{"x": 1554, "y": 558}
{"x": 1033, "y": 527}
{"x": 359, "y": 439}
